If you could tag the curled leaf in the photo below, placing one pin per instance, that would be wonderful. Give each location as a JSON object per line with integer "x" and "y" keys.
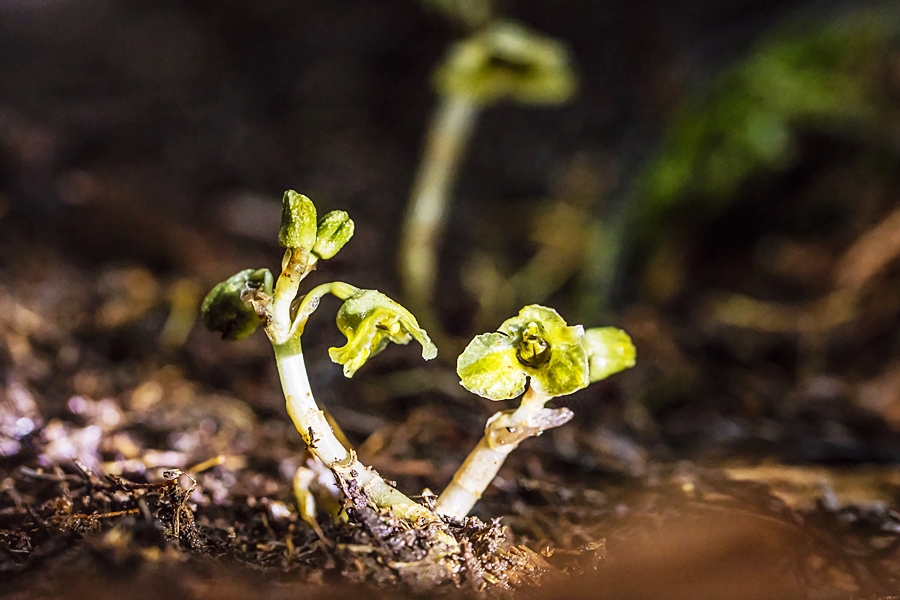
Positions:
{"x": 335, "y": 230}
{"x": 370, "y": 320}
{"x": 609, "y": 350}
{"x": 508, "y": 61}
{"x": 298, "y": 222}
{"x": 225, "y": 309}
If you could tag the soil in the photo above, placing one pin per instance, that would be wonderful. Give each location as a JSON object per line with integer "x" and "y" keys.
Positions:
{"x": 750, "y": 454}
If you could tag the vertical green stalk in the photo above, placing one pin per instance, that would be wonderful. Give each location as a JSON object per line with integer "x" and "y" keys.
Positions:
{"x": 448, "y": 135}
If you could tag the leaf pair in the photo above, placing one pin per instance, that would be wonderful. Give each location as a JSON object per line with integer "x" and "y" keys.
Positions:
{"x": 538, "y": 344}
{"x": 299, "y": 228}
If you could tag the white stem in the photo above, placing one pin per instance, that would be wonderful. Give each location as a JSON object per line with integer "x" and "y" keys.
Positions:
{"x": 502, "y": 434}
{"x": 304, "y": 411}
{"x": 310, "y": 421}
{"x": 470, "y": 480}
{"x": 448, "y": 134}
{"x": 296, "y": 264}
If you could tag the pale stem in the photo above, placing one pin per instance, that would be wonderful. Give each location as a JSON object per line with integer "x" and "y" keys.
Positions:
{"x": 318, "y": 435}
{"x": 296, "y": 264}
{"x": 311, "y": 299}
{"x": 448, "y": 134}
{"x": 502, "y": 434}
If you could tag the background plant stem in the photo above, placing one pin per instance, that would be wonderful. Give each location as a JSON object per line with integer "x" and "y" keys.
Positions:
{"x": 448, "y": 135}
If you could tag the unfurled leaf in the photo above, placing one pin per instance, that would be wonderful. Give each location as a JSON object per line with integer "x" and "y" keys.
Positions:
{"x": 490, "y": 368}
{"x": 536, "y": 344}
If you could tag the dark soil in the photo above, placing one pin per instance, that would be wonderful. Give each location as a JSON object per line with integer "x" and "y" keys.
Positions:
{"x": 750, "y": 454}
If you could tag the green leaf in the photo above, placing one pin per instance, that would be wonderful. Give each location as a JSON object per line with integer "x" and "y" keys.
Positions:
{"x": 370, "y": 320}
{"x": 565, "y": 373}
{"x": 335, "y": 230}
{"x": 553, "y": 326}
{"x": 537, "y": 343}
{"x": 489, "y": 367}
{"x": 609, "y": 350}
{"x": 508, "y": 61}
{"x": 224, "y": 309}
{"x": 298, "y": 221}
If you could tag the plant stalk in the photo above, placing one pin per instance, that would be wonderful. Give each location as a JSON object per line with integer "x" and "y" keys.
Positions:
{"x": 362, "y": 483}
{"x": 448, "y": 135}
{"x": 502, "y": 434}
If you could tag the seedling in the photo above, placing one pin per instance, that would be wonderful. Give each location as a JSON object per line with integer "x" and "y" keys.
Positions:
{"x": 538, "y": 354}
{"x": 535, "y": 353}
{"x": 502, "y": 62}
{"x": 369, "y": 319}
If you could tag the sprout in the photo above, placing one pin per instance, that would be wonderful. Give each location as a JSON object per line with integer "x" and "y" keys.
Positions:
{"x": 536, "y": 353}
{"x": 503, "y": 62}
{"x": 369, "y": 319}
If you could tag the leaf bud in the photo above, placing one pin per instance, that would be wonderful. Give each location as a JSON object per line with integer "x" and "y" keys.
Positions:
{"x": 335, "y": 230}
{"x": 298, "y": 222}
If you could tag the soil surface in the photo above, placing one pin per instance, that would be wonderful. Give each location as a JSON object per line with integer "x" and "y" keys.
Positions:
{"x": 751, "y": 453}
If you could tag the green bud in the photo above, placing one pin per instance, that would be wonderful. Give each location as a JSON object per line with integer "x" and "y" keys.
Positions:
{"x": 225, "y": 310}
{"x": 335, "y": 230}
{"x": 610, "y": 350}
{"x": 298, "y": 221}
{"x": 370, "y": 320}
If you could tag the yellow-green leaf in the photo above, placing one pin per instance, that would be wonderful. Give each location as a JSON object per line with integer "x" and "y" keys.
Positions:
{"x": 298, "y": 222}
{"x": 609, "y": 350}
{"x": 335, "y": 230}
{"x": 566, "y": 371}
{"x": 370, "y": 320}
{"x": 489, "y": 367}
{"x": 536, "y": 343}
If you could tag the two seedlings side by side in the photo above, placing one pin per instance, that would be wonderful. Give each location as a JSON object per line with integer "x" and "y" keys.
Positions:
{"x": 535, "y": 354}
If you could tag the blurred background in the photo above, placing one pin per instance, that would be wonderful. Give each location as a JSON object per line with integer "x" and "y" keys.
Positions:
{"x": 723, "y": 185}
